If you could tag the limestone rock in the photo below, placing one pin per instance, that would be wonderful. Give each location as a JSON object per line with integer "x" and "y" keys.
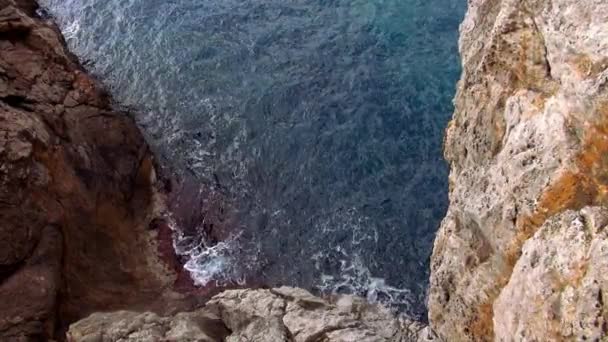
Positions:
{"x": 528, "y": 142}
{"x": 148, "y": 327}
{"x": 273, "y": 315}
{"x": 558, "y": 285}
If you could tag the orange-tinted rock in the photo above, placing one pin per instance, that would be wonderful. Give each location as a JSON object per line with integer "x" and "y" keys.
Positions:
{"x": 528, "y": 149}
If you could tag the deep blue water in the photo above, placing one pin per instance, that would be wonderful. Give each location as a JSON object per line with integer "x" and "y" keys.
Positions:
{"x": 320, "y": 122}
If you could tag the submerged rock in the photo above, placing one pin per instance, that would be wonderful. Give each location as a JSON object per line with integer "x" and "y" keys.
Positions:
{"x": 520, "y": 254}
{"x": 272, "y": 315}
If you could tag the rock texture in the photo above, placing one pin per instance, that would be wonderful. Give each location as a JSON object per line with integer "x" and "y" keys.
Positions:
{"x": 521, "y": 254}
{"x": 273, "y": 315}
{"x": 76, "y": 190}
{"x": 558, "y": 285}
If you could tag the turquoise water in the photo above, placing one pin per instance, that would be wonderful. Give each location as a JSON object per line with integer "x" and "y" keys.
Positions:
{"x": 319, "y": 122}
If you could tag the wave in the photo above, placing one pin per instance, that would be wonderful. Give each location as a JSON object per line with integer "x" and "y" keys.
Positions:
{"x": 356, "y": 278}
{"x": 71, "y": 30}
{"x": 208, "y": 263}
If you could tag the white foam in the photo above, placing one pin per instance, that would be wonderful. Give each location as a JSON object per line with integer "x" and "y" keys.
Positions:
{"x": 207, "y": 263}
{"x": 356, "y": 278}
{"x": 71, "y": 31}
{"x": 354, "y": 275}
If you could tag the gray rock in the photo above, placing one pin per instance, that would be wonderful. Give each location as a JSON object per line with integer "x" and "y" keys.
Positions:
{"x": 528, "y": 142}
{"x": 127, "y": 326}
{"x": 557, "y": 286}
{"x": 273, "y": 315}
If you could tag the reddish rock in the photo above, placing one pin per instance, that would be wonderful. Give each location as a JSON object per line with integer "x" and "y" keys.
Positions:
{"x": 77, "y": 192}
{"x": 200, "y": 211}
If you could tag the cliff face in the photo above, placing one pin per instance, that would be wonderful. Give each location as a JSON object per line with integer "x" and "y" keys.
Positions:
{"x": 76, "y": 190}
{"x": 523, "y": 251}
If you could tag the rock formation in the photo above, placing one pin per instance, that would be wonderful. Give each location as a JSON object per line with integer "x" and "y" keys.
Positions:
{"x": 522, "y": 253}
{"x": 82, "y": 229}
{"x": 274, "y": 315}
{"x": 76, "y": 190}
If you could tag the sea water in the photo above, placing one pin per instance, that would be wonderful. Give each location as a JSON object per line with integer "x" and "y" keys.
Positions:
{"x": 319, "y": 121}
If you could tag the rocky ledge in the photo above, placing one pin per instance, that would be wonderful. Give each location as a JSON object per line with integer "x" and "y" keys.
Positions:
{"x": 273, "y": 315}
{"x": 522, "y": 254}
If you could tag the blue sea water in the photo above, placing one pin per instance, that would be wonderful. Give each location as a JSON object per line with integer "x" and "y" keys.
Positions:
{"x": 320, "y": 121}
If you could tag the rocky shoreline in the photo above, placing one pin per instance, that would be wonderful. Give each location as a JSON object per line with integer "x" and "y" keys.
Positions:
{"x": 521, "y": 254}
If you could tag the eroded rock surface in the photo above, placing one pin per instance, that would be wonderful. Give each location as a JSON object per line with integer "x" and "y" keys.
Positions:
{"x": 273, "y": 315}
{"x": 558, "y": 285}
{"x": 76, "y": 190}
{"x": 520, "y": 254}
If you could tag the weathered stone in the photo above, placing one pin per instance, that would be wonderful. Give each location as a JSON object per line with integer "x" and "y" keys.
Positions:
{"x": 274, "y": 315}
{"x": 29, "y": 294}
{"x": 126, "y": 326}
{"x": 76, "y": 191}
{"x": 558, "y": 286}
{"x": 528, "y": 141}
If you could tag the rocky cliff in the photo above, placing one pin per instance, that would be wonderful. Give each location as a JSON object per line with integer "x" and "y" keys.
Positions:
{"x": 523, "y": 251}
{"x": 77, "y": 191}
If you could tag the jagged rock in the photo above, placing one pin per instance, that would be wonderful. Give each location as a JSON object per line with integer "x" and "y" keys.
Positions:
{"x": 76, "y": 190}
{"x": 273, "y": 315}
{"x": 528, "y": 142}
{"x": 126, "y": 326}
{"x": 558, "y": 285}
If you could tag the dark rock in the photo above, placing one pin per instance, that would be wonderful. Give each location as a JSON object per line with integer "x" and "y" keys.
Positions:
{"x": 77, "y": 191}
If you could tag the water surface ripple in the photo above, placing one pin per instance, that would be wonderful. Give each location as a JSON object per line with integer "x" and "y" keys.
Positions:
{"x": 321, "y": 121}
